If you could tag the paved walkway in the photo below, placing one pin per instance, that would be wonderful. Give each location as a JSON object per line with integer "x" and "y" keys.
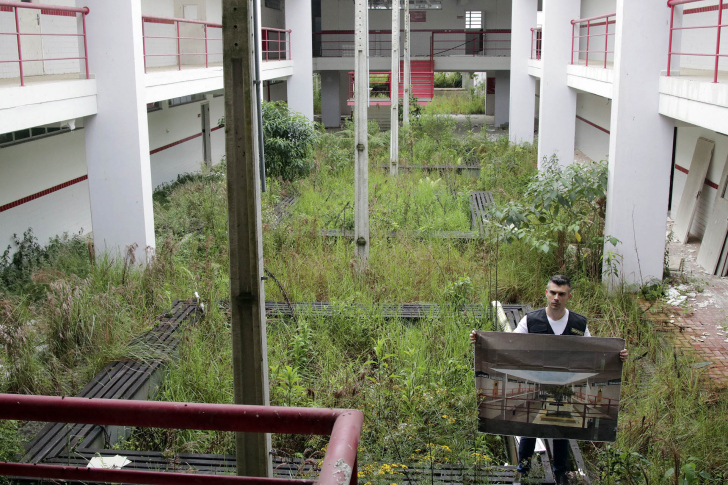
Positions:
{"x": 697, "y": 311}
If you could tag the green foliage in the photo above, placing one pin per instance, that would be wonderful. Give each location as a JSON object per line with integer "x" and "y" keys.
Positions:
{"x": 448, "y": 79}
{"x": 288, "y": 138}
{"x": 469, "y": 103}
{"x": 415, "y": 110}
{"x": 562, "y": 213}
{"x": 459, "y": 292}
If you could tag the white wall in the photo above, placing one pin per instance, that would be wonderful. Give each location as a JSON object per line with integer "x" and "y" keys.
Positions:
{"x": 594, "y": 8}
{"x": 686, "y": 139}
{"x": 32, "y": 167}
{"x": 171, "y": 125}
{"x": 592, "y": 141}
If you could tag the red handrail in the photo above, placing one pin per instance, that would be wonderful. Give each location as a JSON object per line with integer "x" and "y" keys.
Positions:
{"x": 339, "y": 466}
{"x": 14, "y": 6}
{"x": 718, "y": 27}
{"x": 589, "y": 35}
{"x": 176, "y": 21}
{"x": 283, "y": 38}
{"x": 536, "y": 43}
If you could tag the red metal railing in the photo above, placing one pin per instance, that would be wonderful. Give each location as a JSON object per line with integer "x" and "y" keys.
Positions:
{"x": 189, "y": 40}
{"x": 592, "y": 22}
{"x": 276, "y": 44}
{"x": 6, "y": 6}
{"x": 339, "y": 466}
{"x": 536, "y": 43}
{"x": 424, "y": 42}
{"x": 672, "y": 4}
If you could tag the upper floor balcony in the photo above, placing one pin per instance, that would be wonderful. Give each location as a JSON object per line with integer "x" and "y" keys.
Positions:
{"x": 448, "y": 49}
{"x": 592, "y": 54}
{"x": 44, "y": 69}
{"x": 694, "y": 88}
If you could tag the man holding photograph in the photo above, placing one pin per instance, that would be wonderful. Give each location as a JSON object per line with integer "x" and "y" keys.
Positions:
{"x": 554, "y": 319}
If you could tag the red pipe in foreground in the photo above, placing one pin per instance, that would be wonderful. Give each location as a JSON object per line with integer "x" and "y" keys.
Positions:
{"x": 339, "y": 466}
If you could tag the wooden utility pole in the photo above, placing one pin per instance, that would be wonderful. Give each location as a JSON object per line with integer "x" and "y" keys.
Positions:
{"x": 361, "y": 144}
{"x": 394, "y": 93}
{"x": 247, "y": 298}
{"x": 406, "y": 80}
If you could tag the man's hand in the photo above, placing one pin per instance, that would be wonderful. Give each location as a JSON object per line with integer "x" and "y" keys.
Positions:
{"x": 623, "y": 355}
{"x": 473, "y": 336}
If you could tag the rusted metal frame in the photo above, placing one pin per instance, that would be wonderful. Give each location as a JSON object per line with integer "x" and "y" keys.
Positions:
{"x": 339, "y": 464}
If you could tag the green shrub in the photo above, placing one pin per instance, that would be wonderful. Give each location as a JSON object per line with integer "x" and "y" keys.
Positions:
{"x": 448, "y": 79}
{"x": 288, "y": 139}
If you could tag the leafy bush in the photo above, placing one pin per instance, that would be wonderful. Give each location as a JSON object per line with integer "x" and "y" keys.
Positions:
{"x": 288, "y": 139}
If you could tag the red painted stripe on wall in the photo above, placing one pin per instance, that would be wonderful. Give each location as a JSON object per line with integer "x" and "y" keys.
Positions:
{"x": 709, "y": 183}
{"x": 179, "y": 142}
{"x": 712, "y": 8}
{"x": 42, "y": 193}
{"x": 592, "y": 124}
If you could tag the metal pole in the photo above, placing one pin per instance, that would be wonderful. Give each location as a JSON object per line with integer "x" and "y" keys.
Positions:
{"x": 573, "y": 33}
{"x": 606, "y": 41}
{"x": 144, "y": 45}
{"x": 361, "y": 144}
{"x": 394, "y": 93}
{"x": 247, "y": 295}
{"x": 669, "y": 48}
{"x": 407, "y": 55}
{"x": 588, "y": 36}
{"x": 207, "y": 62}
{"x": 85, "y": 45}
{"x": 20, "y": 51}
{"x": 179, "y": 52}
{"x": 717, "y": 42}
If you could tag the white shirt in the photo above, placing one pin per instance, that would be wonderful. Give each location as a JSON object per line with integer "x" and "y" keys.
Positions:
{"x": 557, "y": 326}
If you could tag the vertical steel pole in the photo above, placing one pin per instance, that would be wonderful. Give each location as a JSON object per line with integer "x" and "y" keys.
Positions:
{"x": 20, "y": 50}
{"x": 179, "y": 52}
{"x": 85, "y": 44}
{"x": 588, "y": 37}
{"x": 247, "y": 295}
{"x": 573, "y": 33}
{"x": 606, "y": 42}
{"x": 361, "y": 144}
{"x": 669, "y": 47}
{"x": 394, "y": 93}
{"x": 144, "y": 46}
{"x": 207, "y": 62}
{"x": 717, "y": 42}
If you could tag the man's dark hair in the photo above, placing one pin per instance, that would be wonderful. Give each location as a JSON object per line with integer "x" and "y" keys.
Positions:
{"x": 560, "y": 280}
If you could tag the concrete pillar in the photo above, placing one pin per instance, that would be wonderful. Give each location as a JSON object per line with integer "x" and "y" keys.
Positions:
{"x": 523, "y": 87}
{"x": 640, "y": 145}
{"x": 361, "y": 139}
{"x": 330, "y": 107}
{"x": 300, "y": 84}
{"x": 558, "y": 101}
{"x": 502, "y": 97}
{"x": 394, "y": 95}
{"x": 117, "y": 138}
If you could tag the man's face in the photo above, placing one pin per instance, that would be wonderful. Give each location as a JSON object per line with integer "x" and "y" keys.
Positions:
{"x": 557, "y": 296}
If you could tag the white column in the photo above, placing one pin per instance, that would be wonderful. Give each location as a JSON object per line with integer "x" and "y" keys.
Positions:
{"x": 394, "y": 94}
{"x": 502, "y": 97}
{"x": 557, "y": 104}
{"x": 300, "y": 84}
{"x": 117, "y": 138}
{"x": 523, "y": 87}
{"x": 640, "y": 145}
{"x": 406, "y": 71}
{"x": 330, "y": 107}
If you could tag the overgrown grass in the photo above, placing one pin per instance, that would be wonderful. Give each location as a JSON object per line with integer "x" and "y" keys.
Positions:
{"x": 472, "y": 103}
{"x": 412, "y": 380}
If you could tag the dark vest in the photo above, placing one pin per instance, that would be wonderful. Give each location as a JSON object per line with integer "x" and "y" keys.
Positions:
{"x": 539, "y": 323}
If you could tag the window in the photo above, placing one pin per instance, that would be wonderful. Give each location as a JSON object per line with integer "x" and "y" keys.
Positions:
{"x": 7, "y": 139}
{"x": 186, "y": 100}
{"x": 474, "y": 19}
{"x": 156, "y": 106}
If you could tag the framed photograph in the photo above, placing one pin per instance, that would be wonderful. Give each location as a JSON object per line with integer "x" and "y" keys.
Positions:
{"x": 548, "y": 386}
